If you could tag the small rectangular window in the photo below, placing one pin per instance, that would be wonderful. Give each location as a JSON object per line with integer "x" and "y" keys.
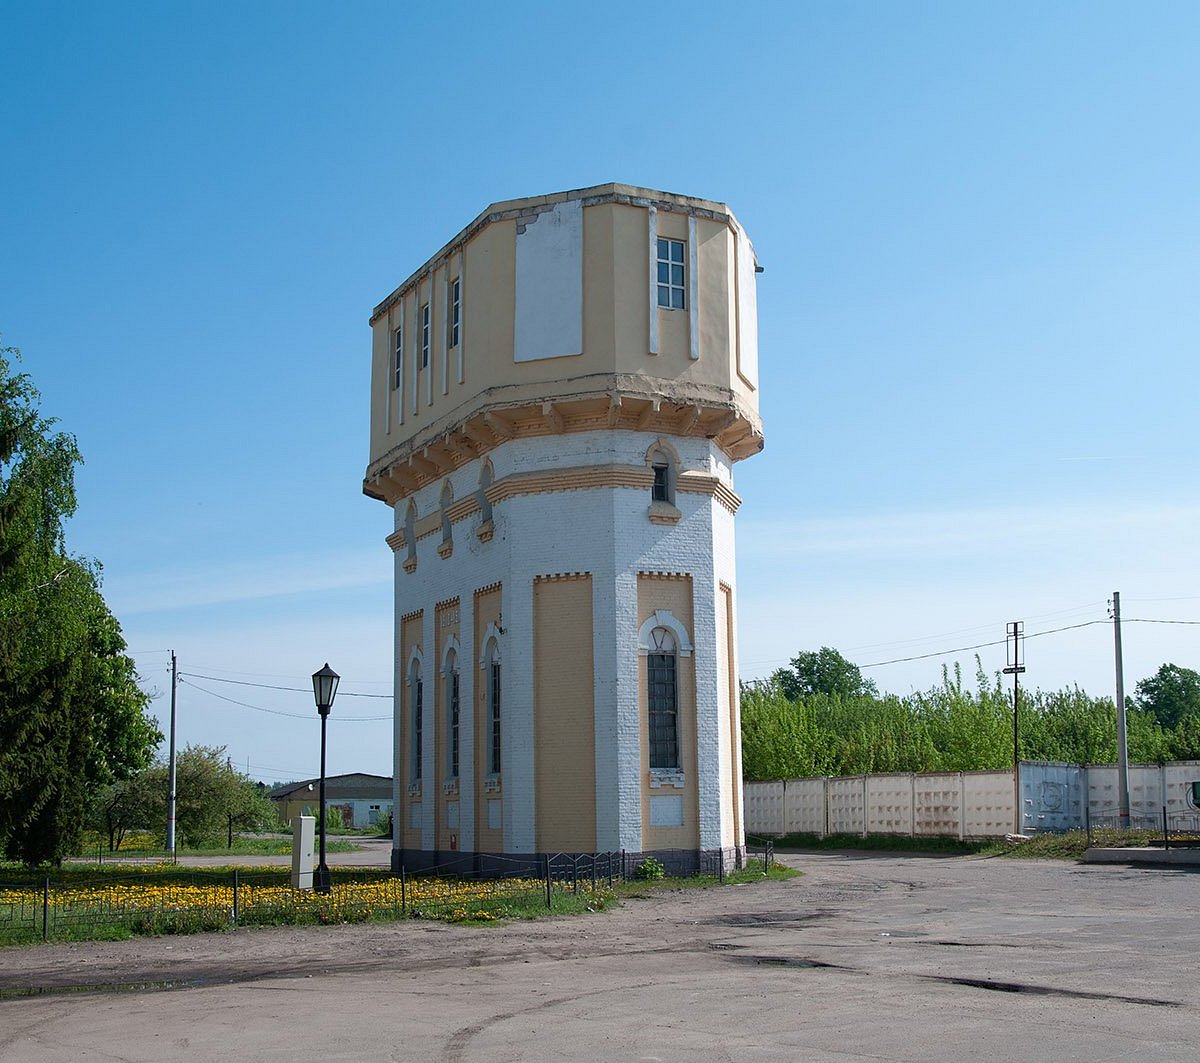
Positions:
{"x": 661, "y": 491}
{"x": 424, "y": 335}
{"x": 397, "y": 358}
{"x": 671, "y": 281}
{"x": 455, "y": 313}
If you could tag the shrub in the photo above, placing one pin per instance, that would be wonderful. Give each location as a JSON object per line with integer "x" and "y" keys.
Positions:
{"x": 650, "y": 870}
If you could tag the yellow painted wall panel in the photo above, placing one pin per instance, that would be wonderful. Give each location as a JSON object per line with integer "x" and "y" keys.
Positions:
{"x": 564, "y": 716}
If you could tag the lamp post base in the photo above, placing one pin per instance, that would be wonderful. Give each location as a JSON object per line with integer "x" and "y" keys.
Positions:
{"x": 322, "y": 881}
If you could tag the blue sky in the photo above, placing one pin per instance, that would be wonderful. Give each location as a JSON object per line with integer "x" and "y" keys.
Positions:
{"x": 978, "y": 321}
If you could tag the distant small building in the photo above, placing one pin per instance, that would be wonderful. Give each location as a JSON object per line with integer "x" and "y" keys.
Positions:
{"x": 363, "y": 799}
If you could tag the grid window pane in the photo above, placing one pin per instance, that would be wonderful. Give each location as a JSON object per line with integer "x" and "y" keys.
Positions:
{"x": 495, "y": 707}
{"x": 454, "y": 725}
{"x": 672, "y": 278}
{"x": 664, "y": 716}
{"x": 416, "y": 743}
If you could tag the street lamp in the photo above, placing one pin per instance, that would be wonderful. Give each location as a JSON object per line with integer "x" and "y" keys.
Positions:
{"x": 325, "y": 684}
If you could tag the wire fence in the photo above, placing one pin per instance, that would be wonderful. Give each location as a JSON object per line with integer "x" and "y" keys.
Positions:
{"x": 168, "y": 900}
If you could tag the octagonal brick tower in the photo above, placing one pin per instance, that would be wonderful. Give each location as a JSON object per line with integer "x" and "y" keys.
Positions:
{"x": 558, "y": 398}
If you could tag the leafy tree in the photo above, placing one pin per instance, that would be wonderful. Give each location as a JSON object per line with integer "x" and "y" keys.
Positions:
{"x": 72, "y": 716}
{"x": 824, "y": 671}
{"x": 1171, "y": 695}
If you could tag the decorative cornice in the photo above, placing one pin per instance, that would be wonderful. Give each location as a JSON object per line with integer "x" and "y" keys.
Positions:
{"x": 616, "y": 404}
{"x": 573, "y": 478}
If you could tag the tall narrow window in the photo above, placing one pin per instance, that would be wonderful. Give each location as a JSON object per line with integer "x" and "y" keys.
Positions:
{"x": 415, "y": 699}
{"x": 455, "y": 314}
{"x": 494, "y": 709}
{"x": 662, "y": 685}
{"x": 397, "y": 357}
{"x": 661, "y": 491}
{"x": 452, "y": 715}
{"x": 671, "y": 282}
{"x": 424, "y": 335}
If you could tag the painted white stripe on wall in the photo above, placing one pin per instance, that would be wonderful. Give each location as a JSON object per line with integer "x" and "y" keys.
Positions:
{"x": 387, "y": 387}
{"x": 747, "y": 312}
{"x": 416, "y": 331}
{"x": 432, "y": 344}
{"x": 446, "y": 331}
{"x": 693, "y": 293}
{"x": 462, "y": 310}
{"x": 549, "y": 284}
{"x": 400, "y": 366}
{"x": 652, "y": 228}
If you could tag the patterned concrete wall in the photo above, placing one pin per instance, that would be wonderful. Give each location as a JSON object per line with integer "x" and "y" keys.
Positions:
{"x": 972, "y": 804}
{"x": 967, "y": 804}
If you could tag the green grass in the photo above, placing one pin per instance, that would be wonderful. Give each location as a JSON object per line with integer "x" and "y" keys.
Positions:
{"x": 641, "y": 888}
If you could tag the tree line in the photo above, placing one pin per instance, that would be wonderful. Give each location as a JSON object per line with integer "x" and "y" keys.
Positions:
{"x": 820, "y": 716}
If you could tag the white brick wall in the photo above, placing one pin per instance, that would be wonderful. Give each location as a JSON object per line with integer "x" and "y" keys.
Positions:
{"x": 604, "y": 531}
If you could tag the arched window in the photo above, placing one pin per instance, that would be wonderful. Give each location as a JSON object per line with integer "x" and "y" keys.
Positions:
{"x": 664, "y": 465}
{"x": 414, "y": 703}
{"x": 662, "y": 684}
{"x": 450, "y": 674}
{"x": 492, "y": 657}
{"x": 410, "y": 536}
{"x": 663, "y": 490}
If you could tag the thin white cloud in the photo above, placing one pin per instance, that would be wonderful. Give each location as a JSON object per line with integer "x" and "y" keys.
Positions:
{"x": 245, "y": 580}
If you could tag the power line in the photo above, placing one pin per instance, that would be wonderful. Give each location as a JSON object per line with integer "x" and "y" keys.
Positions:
{"x": 272, "y": 686}
{"x": 278, "y": 712}
{"x": 1190, "y": 623}
{"x": 981, "y": 645}
{"x": 275, "y": 675}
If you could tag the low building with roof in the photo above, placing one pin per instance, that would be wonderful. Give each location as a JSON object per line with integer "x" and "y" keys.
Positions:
{"x": 363, "y": 799}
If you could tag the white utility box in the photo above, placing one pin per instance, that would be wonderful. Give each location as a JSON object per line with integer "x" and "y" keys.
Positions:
{"x": 304, "y": 829}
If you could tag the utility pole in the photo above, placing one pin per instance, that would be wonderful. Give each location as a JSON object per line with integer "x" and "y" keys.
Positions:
{"x": 1014, "y": 642}
{"x": 171, "y": 768}
{"x": 1122, "y": 746}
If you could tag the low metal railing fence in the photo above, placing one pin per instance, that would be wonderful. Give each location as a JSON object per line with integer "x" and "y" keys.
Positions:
{"x": 1108, "y": 829}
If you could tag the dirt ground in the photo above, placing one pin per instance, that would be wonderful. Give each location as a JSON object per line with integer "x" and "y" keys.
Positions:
{"x": 865, "y": 957}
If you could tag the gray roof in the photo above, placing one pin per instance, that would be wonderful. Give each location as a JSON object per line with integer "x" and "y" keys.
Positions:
{"x": 356, "y": 785}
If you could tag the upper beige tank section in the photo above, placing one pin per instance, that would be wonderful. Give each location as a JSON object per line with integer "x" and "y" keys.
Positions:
{"x": 559, "y": 328}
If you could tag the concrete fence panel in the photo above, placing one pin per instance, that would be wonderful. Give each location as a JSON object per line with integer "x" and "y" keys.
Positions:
{"x": 764, "y": 807}
{"x": 987, "y": 804}
{"x": 804, "y": 806}
{"x": 890, "y": 804}
{"x": 937, "y": 804}
{"x": 847, "y": 802}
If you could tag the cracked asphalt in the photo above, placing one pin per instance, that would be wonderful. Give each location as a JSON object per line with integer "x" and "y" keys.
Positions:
{"x": 866, "y": 957}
